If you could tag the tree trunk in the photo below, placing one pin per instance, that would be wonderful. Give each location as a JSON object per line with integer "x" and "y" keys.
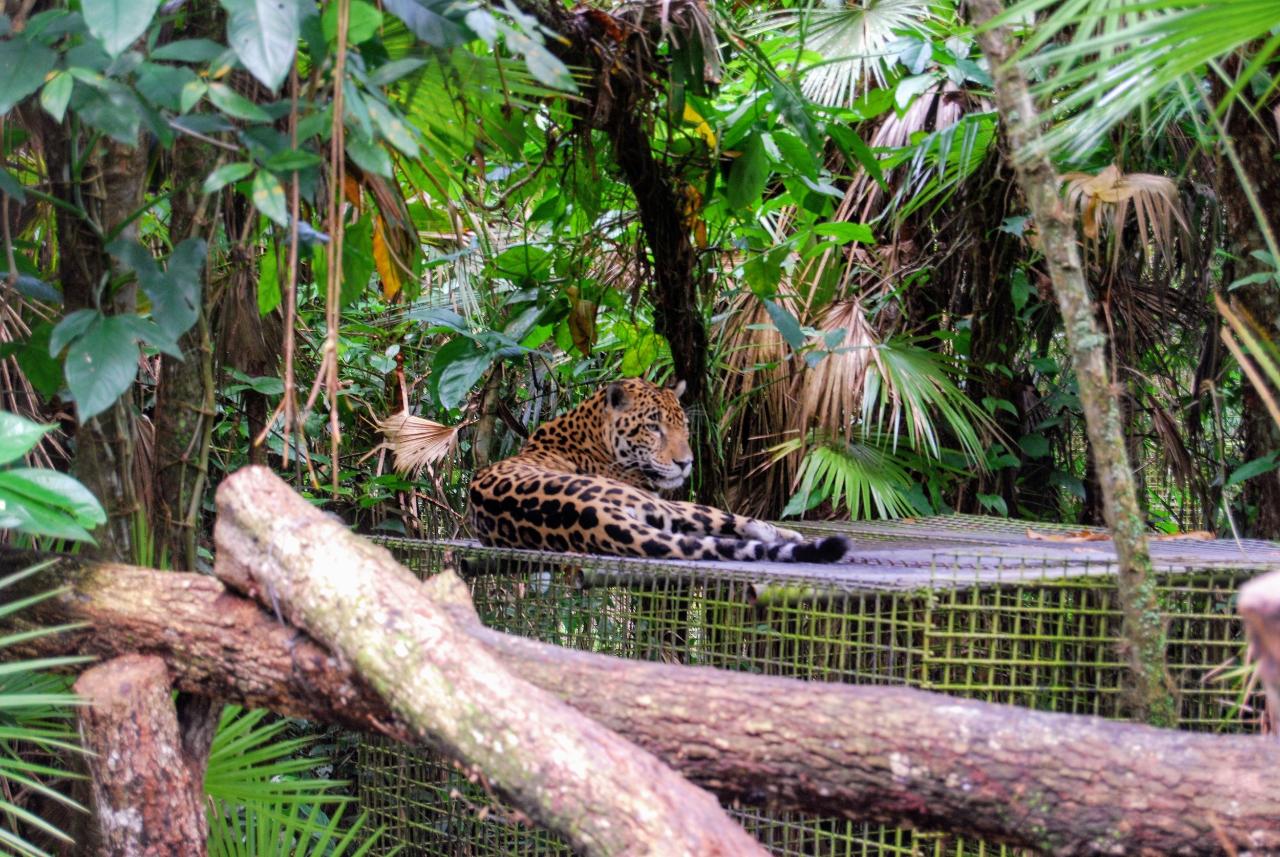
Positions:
{"x": 109, "y": 185}
{"x": 601, "y": 793}
{"x": 147, "y": 798}
{"x": 1060, "y": 783}
{"x": 1149, "y": 693}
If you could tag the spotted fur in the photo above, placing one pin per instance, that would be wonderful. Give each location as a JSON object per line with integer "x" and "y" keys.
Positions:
{"x": 584, "y": 483}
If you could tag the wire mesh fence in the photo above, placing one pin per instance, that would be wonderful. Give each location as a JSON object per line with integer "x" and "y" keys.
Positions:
{"x": 978, "y": 608}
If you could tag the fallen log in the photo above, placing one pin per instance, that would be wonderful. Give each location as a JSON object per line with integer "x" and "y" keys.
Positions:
{"x": 1059, "y": 783}
{"x": 146, "y": 796}
{"x": 604, "y": 795}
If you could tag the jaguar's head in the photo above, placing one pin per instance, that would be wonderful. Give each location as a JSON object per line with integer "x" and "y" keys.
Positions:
{"x": 649, "y": 433}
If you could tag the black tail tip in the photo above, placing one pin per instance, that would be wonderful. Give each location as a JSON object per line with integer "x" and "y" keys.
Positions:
{"x": 829, "y": 549}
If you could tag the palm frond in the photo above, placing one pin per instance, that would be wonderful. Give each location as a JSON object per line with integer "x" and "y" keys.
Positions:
{"x": 1110, "y": 59}
{"x": 1103, "y": 202}
{"x": 852, "y": 39}
{"x": 416, "y": 442}
{"x": 856, "y": 475}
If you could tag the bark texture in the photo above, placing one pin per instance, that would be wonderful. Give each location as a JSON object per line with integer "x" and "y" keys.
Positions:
{"x": 603, "y": 794}
{"x": 1059, "y": 783}
{"x": 1149, "y": 694}
{"x": 146, "y": 797}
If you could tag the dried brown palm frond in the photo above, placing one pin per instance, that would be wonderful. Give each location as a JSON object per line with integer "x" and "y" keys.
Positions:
{"x": 756, "y": 386}
{"x": 1103, "y": 201}
{"x": 831, "y": 393}
{"x": 685, "y": 23}
{"x": 417, "y": 443}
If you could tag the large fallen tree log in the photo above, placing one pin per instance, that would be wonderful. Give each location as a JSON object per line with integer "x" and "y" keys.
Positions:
{"x": 1063, "y": 784}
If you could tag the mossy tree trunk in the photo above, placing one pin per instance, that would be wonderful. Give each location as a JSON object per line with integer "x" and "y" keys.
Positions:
{"x": 1149, "y": 692}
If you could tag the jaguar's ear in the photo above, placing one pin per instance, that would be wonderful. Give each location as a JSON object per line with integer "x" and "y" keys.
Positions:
{"x": 618, "y": 397}
{"x": 678, "y": 389}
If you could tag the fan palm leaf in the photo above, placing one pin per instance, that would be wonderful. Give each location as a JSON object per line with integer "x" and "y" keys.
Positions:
{"x": 1104, "y": 200}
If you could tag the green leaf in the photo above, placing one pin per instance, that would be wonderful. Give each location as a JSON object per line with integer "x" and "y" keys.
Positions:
{"x": 112, "y": 109}
{"x": 189, "y": 50}
{"x": 459, "y": 365}
{"x": 44, "y": 373}
{"x": 357, "y": 260}
{"x": 394, "y": 70}
{"x": 843, "y": 233}
{"x": 393, "y": 128}
{"x": 1034, "y": 446}
{"x": 424, "y": 20}
{"x": 71, "y": 327}
{"x": 786, "y": 324}
{"x": 175, "y": 297}
{"x": 368, "y": 155}
{"x": 292, "y": 160}
{"x": 749, "y": 174}
{"x": 18, "y": 435}
{"x": 236, "y": 105}
{"x": 269, "y": 279}
{"x": 164, "y": 85}
{"x": 56, "y": 94}
{"x": 264, "y": 35}
{"x": 362, "y": 24}
{"x": 101, "y": 365}
{"x": 11, "y": 186}
{"x": 546, "y": 66}
{"x": 994, "y": 503}
{"x": 57, "y": 490}
{"x": 191, "y": 95}
{"x": 795, "y": 153}
{"x": 225, "y": 175}
{"x": 30, "y": 516}
{"x": 268, "y": 196}
{"x": 118, "y": 23}
{"x": 1256, "y": 467}
{"x": 23, "y": 66}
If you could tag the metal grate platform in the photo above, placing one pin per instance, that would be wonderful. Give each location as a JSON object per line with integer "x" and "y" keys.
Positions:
{"x": 970, "y": 606}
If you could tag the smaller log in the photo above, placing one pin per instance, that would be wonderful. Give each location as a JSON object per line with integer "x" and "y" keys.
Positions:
{"x": 146, "y": 797}
{"x": 1260, "y": 610}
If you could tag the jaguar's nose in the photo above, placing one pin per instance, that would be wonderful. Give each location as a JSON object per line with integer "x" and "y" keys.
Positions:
{"x": 685, "y": 464}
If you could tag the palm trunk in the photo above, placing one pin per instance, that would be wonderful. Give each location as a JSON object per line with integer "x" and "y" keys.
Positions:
{"x": 1148, "y": 691}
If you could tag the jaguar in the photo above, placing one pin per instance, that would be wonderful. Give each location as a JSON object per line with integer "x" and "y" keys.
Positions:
{"x": 587, "y": 482}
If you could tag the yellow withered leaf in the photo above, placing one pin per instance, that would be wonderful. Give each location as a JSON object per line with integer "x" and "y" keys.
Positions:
{"x": 582, "y": 321}
{"x": 384, "y": 261}
{"x": 700, "y": 126}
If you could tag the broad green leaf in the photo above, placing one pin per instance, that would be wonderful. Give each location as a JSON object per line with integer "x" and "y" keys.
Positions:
{"x": 292, "y": 160}
{"x": 191, "y": 95}
{"x": 23, "y": 66}
{"x": 30, "y": 516}
{"x": 118, "y": 23}
{"x": 268, "y": 196}
{"x": 425, "y": 20}
{"x": 175, "y": 297}
{"x": 18, "y": 435}
{"x": 843, "y": 233}
{"x": 357, "y": 259}
{"x": 264, "y": 35}
{"x": 393, "y": 128}
{"x": 44, "y": 373}
{"x": 458, "y": 367}
{"x": 11, "y": 186}
{"x": 236, "y": 105}
{"x": 101, "y": 365}
{"x": 56, "y": 490}
{"x": 111, "y": 108}
{"x": 545, "y": 66}
{"x": 269, "y": 279}
{"x": 72, "y": 326}
{"x": 795, "y": 153}
{"x": 749, "y": 174}
{"x": 362, "y": 24}
{"x": 56, "y": 94}
{"x": 1034, "y": 446}
{"x": 225, "y": 175}
{"x": 1250, "y": 469}
{"x": 164, "y": 85}
{"x": 786, "y": 324}
{"x": 394, "y": 70}
{"x": 189, "y": 50}
{"x": 368, "y": 155}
